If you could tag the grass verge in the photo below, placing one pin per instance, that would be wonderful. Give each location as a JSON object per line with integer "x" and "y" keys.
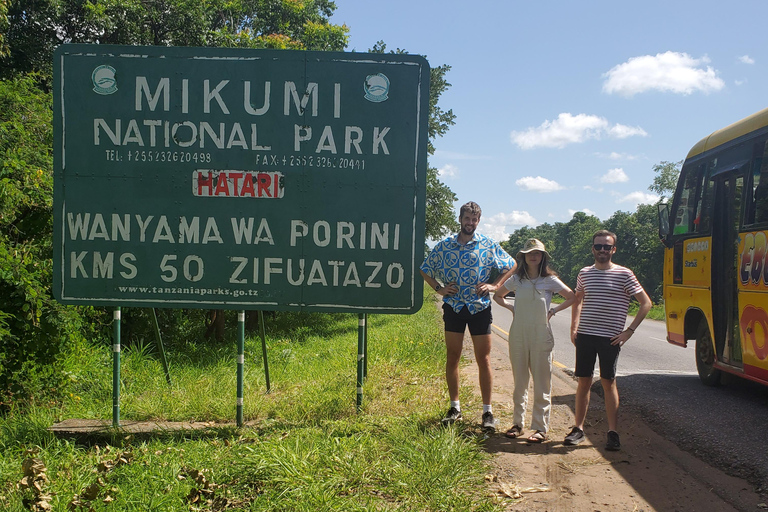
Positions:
{"x": 306, "y": 447}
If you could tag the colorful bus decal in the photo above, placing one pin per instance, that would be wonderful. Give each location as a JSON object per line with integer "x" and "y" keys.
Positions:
{"x": 754, "y": 327}
{"x": 753, "y": 272}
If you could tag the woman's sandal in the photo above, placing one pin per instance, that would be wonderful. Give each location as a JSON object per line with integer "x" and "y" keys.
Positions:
{"x": 515, "y": 431}
{"x": 537, "y": 437}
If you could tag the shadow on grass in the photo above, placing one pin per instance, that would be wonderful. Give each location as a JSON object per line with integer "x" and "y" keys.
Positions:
{"x": 283, "y": 327}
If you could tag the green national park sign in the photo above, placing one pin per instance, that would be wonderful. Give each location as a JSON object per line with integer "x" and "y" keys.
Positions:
{"x": 239, "y": 179}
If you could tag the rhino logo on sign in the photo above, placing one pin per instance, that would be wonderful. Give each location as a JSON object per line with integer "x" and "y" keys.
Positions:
{"x": 376, "y": 87}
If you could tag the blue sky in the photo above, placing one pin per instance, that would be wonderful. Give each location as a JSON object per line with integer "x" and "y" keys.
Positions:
{"x": 566, "y": 106}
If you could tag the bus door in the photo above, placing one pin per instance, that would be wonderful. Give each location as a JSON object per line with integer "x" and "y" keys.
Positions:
{"x": 728, "y": 190}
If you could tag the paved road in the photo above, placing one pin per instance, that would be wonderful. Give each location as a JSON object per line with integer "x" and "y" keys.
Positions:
{"x": 647, "y": 352}
{"x": 724, "y": 426}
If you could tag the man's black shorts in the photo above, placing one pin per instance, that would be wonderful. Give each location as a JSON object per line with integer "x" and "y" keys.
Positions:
{"x": 588, "y": 348}
{"x": 479, "y": 323}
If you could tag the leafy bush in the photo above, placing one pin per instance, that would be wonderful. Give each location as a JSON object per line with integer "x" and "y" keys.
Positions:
{"x": 33, "y": 326}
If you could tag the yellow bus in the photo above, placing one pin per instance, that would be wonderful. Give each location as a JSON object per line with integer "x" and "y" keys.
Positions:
{"x": 715, "y": 232}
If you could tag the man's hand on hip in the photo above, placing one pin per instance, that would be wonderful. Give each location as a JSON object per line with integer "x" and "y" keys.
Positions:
{"x": 484, "y": 289}
{"x": 448, "y": 289}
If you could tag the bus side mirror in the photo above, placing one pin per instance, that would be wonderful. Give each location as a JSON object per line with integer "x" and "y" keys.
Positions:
{"x": 664, "y": 222}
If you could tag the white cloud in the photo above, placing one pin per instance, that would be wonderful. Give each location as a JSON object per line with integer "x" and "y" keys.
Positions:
{"x": 538, "y": 184}
{"x": 616, "y": 175}
{"x": 739, "y": 82}
{"x": 637, "y": 198}
{"x": 613, "y": 155}
{"x": 497, "y": 226}
{"x": 668, "y": 72}
{"x": 746, "y": 59}
{"x": 570, "y": 129}
{"x": 498, "y": 233}
{"x": 448, "y": 171}
{"x": 620, "y": 131}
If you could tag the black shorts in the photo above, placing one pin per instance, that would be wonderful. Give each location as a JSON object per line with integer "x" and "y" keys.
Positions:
{"x": 479, "y": 323}
{"x": 590, "y": 347}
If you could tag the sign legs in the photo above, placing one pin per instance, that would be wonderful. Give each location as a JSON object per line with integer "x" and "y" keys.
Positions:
{"x": 362, "y": 352}
{"x": 264, "y": 347}
{"x": 116, "y": 368}
{"x": 240, "y": 364}
{"x": 161, "y": 347}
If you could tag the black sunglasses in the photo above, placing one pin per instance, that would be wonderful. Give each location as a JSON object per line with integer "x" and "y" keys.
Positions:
{"x": 602, "y": 247}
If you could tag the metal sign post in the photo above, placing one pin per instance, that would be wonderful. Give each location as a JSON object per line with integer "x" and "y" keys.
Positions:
{"x": 161, "y": 347}
{"x": 263, "y": 331}
{"x": 361, "y": 353}
{"x": 240, "y": 364}
{"x": 116, "y": 368}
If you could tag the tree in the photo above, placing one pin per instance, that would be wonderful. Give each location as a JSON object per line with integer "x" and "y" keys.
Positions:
{"x": 33, "y": 327}
{"x": 30, "y": 37}
{"x": 650, "y": 252}
{"x": 547, "y": 233}
{"x": 440, "y": 217}
{"x": 639, "y": 247}
{"x": 666, "y": 177}
{"x": 439, "y": 120}
{"x": 4, "y": 24}
{"x": 517, "y": 239}
{"x": 36, "y": 27}
{"x": 574, "y": 250}
{"x": 279, "y": 24}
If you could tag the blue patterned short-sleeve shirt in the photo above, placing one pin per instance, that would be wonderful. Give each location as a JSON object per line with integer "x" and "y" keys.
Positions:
{"x": 466, "y": 265}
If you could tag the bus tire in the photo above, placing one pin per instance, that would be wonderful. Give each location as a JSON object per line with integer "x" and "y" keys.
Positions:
{"x": 705, "y": 357}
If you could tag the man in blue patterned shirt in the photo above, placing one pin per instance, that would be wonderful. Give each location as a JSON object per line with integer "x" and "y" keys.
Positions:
{"x": 459, "y": 269}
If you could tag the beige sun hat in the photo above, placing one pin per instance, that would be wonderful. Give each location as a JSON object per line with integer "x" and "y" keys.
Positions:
{"x": 532, "y": 244}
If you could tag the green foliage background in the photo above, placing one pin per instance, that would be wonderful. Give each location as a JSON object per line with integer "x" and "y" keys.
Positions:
{"x": 34, "y": 329}
{"x": 33, "y": 326}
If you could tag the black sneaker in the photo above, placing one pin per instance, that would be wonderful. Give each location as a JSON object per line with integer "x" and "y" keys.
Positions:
{"x": 613, "y": 444}
{"x": 575, "y": 437}
{"x": 451, "y": 416}
{"x": 489, "y": 422}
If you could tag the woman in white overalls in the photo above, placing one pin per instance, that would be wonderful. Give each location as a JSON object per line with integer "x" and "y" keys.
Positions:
{"x": 530, "y": 336}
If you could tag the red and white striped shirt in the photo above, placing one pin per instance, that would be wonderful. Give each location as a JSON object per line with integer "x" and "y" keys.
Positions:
{"x": 606, "y": 299}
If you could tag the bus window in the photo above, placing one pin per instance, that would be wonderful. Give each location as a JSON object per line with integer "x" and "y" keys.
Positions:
{"x": 757, "y": 212}
{"x": 703, "y": 221}
{"x": 688, "y": 215}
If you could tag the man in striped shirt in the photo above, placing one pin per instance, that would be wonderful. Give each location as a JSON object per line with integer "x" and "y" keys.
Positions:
{"x": 603, "y": 292}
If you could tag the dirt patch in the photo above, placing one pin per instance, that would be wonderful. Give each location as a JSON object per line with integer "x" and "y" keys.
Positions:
{"x": 648, "y": 474}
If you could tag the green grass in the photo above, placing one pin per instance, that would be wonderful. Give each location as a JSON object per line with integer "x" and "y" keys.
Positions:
{"x": 656, "y": 312}
{"x": 306, "y": 447}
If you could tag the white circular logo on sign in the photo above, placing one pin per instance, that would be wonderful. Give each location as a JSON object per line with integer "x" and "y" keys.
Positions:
{"x": 376, "y": 87}
{"x": 103, "y": 78}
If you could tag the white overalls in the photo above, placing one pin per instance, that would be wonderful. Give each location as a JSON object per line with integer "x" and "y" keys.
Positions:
{"x": 530, "y": 348}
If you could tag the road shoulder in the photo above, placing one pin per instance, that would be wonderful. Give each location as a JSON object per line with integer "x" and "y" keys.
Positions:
{"x": 649, "y": 473}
